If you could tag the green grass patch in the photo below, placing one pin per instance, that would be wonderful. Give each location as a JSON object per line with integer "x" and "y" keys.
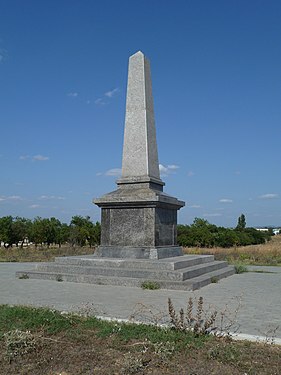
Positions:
{"x": 29, "y": 318}
{"x": 52, "y": 322}
{"x": 151, "y": 285}
{"x": 240, "y": 268}
{"x": 41, "y": 341}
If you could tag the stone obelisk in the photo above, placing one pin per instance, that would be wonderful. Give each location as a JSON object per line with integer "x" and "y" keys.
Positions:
{"x": 140, "y": 156}
{"x": 138, "y": 220}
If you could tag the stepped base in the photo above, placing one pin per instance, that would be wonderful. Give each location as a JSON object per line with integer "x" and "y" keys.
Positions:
{"x": 185, "y": 272}
{"x": 130, "y": 252}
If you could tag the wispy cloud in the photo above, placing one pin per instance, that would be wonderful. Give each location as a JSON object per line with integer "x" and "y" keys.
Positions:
{"x": 49, "y": 197}
{"x": 269, "y": 196}
{"x": 111, "y": 172}
{"x": 107, "y": 95}
{"x": 99, "y": 101}
{"x": 13, "y": 198}
{"x": 190, "y": 174}
{"x": 167, "y": 170}
{"x": 72, "y": 94}
{"x": 114, "y": 172}
{"x": 195, "y": 206}
{"x": 34, "y": 158}
{"x": 24, "y": 157}
{"x": 35, "y": 206}
{"x": 40, "y": 158}
{"x": 111, "y": 93}
{"x": 3, "y": 55}
{"x": 164, "y": 171}
{"x": 226, "y": 200}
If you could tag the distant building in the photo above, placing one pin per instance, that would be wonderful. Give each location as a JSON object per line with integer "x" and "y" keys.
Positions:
{"x": 274, "y": 230}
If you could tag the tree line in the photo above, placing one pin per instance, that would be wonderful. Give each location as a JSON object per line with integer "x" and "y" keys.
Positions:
{"x": 82, "y": 231}
{"x": 17, "y": 230}
{"x": 203, "y": 234}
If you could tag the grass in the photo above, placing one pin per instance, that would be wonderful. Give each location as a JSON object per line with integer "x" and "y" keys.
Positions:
{"x": 40, "y": 254}
{"x": 151, "y": 285}
{"x": 41, "y": 341}
{"x": 268, "y": 254}
{"x": 240, "y": 268}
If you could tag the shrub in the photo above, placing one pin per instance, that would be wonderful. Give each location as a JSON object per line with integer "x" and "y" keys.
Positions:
{"x": 152, "y": 285}
{"x": 239, "y": 268}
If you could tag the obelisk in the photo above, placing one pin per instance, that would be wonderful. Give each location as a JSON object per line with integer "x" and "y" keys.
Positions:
{"x": 140, "y": 155}
{"x": 138, "y": 220}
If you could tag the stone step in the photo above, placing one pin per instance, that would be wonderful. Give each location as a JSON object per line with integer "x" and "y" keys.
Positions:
{"x": 153, "y": 274}
{"x": 174, "y": 263}
{"x": 212, "y": 277}
{"x": 191, "y": 284}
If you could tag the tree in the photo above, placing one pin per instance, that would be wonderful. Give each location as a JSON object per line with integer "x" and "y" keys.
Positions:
{"x": 63, "y": 234}
{"x": 52, "y": 228}
{"x": 80, "y": 230}
{"x": 14, "y": 230}
{"x": 20, "y": 230}
{"x": 6, "y": 230}
{"x": 95, "y": 233}
{"x": 38, "y": 233}
{"x": 241, "y": 224}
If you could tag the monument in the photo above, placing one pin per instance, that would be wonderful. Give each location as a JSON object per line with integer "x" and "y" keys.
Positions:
{"x": 138, "y": 220}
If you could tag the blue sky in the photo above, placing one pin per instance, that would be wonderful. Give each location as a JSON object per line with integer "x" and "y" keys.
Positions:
{"x": 216, "y": 74}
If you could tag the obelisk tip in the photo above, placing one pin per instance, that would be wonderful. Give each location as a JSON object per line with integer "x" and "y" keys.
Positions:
{"x": 139, "y": 53}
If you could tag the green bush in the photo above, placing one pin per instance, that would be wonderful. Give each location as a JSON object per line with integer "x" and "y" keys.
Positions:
{"x": 203, "y": 234}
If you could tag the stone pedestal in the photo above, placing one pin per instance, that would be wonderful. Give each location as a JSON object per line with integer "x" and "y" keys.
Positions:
{"x": 139, "y": 222}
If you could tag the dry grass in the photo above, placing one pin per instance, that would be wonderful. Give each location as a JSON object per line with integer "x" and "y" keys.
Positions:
{"x": 72, "y": 345}
{"x": 268, "y": 254}
{"x": 40, "y": 254}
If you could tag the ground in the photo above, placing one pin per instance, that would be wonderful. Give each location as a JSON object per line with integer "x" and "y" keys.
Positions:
{"x": 72, "y": 345}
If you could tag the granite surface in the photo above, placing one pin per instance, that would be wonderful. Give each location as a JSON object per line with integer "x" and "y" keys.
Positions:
{"x": 140, "y": 155}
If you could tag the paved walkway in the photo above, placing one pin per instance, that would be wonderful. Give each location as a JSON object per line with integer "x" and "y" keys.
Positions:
{"x": 251, "y": 301}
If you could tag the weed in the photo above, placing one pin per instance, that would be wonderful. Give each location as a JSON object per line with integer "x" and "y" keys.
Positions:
{"x": 151, "y": 285}
{"x": 190, "y": 322}
{"x": 239, "y": 268}
{"x": 229, "y": 354}
{"x": 18, "y": 343}
{"x": 214, "y": 279}
{"x": 24, "y": 276}
{"x": 51, "y": 338}
{"x": 132, "y": 364}
{"x": 148, "y": 314}
{"x": 164, "y": 350}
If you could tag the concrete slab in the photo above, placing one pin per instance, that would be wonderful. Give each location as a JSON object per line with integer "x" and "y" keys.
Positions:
{"x": 255, "y": 296}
